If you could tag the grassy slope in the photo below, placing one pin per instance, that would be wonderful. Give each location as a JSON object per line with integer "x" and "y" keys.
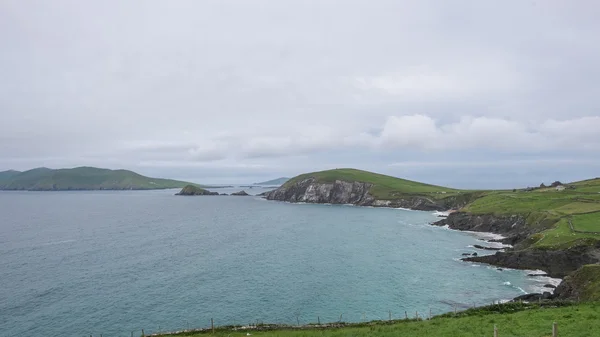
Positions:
{"x": 384, "y": 187}
{"x": 85, "y": 178}
{"x": 574, "y": 320}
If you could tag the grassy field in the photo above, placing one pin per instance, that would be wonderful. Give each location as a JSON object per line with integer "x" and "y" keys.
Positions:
{"x": 384, "y": 187}
{"x": 84, "y": 178}
{"x": 580, "y": 320}
{"x": 549, "y": 210}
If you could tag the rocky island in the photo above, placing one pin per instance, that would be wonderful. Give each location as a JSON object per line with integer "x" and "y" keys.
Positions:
{"x": 240, "y": 193}
{"x": 553, "y": 229}
{"x": 191, "y": 190}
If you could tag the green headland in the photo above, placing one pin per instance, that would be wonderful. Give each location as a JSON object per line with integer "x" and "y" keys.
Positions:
{"x": 82, "y": 178}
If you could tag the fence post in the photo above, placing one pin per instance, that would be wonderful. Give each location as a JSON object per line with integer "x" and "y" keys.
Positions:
{"x": 143, "y": 334}
{"x": 341, "y": 318}
{"x": 212, "y": 325}
{"x": 430, "y": 313}
{"x": 390, "y": 312}
{"x": 405, "y": 315}
{"x": 416, "y": 314}
{"x": 495, "y": 331}
{"x": 554, "y": 329}
{"x": 132, "y": 334}
{"x": 319, "y": 320}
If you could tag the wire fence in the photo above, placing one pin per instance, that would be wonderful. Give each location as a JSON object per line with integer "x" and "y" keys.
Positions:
{"x": 391, "y": 318}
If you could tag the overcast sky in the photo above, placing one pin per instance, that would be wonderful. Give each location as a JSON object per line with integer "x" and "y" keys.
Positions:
{"x": 461, "y": 93}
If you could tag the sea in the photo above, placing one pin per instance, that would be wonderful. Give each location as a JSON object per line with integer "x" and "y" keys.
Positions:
{"x": 116, "y": 262}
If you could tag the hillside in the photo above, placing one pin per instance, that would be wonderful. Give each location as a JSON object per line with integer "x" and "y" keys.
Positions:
{"x": 274, "y": 182}
{"x": 549, "y": 213}
{"x": 82, "y": 178}
{"x": 7, "y": 175}
{"x": 384, "y": 186}
{"x": 362, "y": 188}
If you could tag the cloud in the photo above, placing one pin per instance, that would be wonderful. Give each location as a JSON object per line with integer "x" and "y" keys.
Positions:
{"x": 294, "y": 84}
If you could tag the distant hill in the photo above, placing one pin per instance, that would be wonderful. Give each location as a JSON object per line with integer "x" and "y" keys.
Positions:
{"x": 278, "y": 181}
{"x": 7, "y": 175}
{"x": 82, "y": 178}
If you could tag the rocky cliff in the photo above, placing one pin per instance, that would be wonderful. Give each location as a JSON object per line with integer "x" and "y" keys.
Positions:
{"x": 345, "y": 192}
{"x": 582, "y": 285}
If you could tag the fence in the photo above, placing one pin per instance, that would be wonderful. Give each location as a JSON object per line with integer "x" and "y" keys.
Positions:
{"x": 510, "y": 307}
{"x": 269, "y": 327}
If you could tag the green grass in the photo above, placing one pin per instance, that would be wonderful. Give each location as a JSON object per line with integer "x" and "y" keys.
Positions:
{"x": 384, "y": 187}
{"x": 587, "y": 222}
{"x": 84, "y": 178}
{"x": 561, "y": 237}
{"x": 528, "y": 320}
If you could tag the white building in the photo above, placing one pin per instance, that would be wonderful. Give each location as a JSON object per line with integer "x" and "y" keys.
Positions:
{"x": 560, "y": 188}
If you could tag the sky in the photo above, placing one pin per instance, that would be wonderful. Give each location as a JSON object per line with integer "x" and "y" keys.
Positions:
{"x": 470, "y": 94}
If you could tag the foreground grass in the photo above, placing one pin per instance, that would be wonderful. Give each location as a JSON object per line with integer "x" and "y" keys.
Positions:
{"x": 573, "y": 320}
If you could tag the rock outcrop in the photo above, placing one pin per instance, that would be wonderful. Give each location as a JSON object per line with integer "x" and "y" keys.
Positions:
{"x": 582, "y": 285}
{"x": 240, "y": 193}
{"x": 190, "y": 190}
{"x": 557, "y": 263}
{"x": 309, "y": 190}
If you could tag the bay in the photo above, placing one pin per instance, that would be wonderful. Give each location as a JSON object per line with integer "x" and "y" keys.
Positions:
{"x": 104, "y": 262}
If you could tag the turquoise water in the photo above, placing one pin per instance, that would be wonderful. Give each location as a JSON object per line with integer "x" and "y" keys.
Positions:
{"x": 81, "y": 263}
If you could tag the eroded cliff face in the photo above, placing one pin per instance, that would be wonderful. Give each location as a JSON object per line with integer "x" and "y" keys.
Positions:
{"x": 344, "y": 192}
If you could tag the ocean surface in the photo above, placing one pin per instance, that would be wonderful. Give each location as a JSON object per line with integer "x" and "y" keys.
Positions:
{"x": 81, "y": 263}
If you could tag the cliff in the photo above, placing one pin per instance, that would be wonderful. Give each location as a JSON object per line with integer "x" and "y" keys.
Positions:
{"x": 582, "y": 285}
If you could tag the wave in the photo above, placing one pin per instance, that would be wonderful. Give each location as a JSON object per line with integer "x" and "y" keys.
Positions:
{"x": 57, "y": 242}
{"x": 441, "y": 214}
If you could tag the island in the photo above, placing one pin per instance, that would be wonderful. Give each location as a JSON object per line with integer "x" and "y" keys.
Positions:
{"x": 555, "y": 229}
{"x": 240, "y": 193}
{"x": 82, "y": 178}
{"x": 191, "y": 190}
